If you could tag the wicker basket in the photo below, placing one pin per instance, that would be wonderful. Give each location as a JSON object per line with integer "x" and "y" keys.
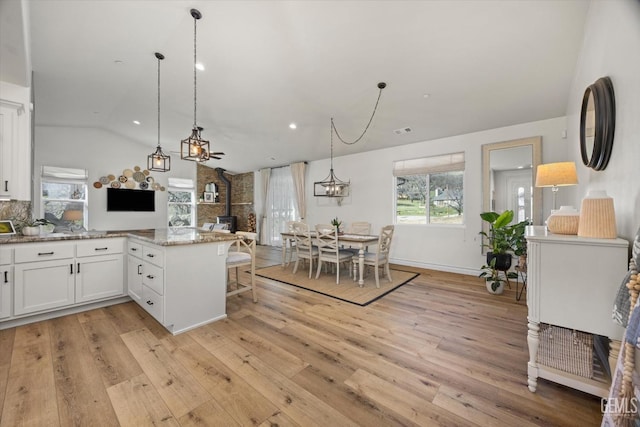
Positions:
{"x": 566, "y": 349}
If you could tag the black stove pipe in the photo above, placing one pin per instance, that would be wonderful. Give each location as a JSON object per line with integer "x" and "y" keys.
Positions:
{"x": 227, "y": 195}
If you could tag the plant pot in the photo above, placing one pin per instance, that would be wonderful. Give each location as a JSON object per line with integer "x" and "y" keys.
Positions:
{"x": 503, "y": 261}
{"x": 499, "y": 289}
{"x": 31, "y": 231}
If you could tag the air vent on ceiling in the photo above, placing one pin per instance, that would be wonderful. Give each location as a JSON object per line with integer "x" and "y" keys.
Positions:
{"x": 402, "y": 131}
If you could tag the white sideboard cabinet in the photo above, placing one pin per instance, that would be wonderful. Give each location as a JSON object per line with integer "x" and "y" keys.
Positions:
{"x": 572, "y": 282}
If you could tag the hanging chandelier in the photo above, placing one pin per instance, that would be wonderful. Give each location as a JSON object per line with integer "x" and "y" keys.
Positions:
{"x": 195, "y": 148}
{"x": 332, "y": 186}
{"x": 158, "y": 161}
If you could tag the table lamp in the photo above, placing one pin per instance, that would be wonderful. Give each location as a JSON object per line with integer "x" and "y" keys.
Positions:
{"x": 556, "y": 175}
{"x": 72, "y": 217}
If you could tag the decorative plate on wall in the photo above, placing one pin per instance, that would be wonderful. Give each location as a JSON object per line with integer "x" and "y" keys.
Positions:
{"x": 115, "y": 184}
{"x": 144, "y": 185}
{"x": 130, "y": 184}
{"x": 128, "y": 173}
{"x": 138, "y": 176}
{"x": 97, "y": 184}
{"x": 133, "y": 178}
{"x": 123, "y": 179}
{"x": 104, "y": 180}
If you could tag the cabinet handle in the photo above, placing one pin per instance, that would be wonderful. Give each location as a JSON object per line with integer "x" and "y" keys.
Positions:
{"x": 78, "y": 270}
{"x": 101, "y": 249}
{"x": 6, "y": 186}
{"x": 149, "y": 276}
{"x": 139, "y": 267}
{"x": 6, "y": 277}
{"x": 149, "y": 302}
{"x": 71, "y": 268}
{"x": 133, "y": 249}
{"x": 45, "y": 253}
{"x": 150, "y": 255}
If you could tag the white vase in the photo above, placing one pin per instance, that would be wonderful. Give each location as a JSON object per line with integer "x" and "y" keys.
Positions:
{"x": 499, "y": 289}
{"x": 31, "y": 231}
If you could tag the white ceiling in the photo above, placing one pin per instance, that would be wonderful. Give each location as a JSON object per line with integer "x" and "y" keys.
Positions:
{"x": 485, "y": 64}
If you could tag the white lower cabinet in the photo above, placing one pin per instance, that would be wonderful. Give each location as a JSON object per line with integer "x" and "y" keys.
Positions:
{"x": 59, "y": 274}
{"x": 43, "y": 285}
{"x": 6, "y": 282}
{"x": 134, "y": 277}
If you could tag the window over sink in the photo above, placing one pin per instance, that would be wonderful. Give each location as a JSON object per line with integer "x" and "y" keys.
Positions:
{"x": 63, "y": 198}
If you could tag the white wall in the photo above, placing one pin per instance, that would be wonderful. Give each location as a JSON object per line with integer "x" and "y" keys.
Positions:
{"x": 104, "y": 153}
{"x": 448, "y": 248}
{"x": 611, "y": 47}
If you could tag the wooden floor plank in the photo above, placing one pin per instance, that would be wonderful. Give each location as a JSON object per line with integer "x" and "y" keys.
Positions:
{"x": 137, "y": 403}
{"x": 80, "y": 391}
{"x": 234, "y": 397}
{"x": 31, "y": 398}
{"x": 7, "y": 338}
{"x": 209, "y": 414}
{"x": 112, "y": 358}
{"x": 180, "y": 391}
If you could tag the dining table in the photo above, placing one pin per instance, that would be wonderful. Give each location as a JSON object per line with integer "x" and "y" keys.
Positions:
{"x": 361, "y": 241}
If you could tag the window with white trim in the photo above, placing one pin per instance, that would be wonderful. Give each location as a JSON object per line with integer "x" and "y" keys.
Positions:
{"x": 63, "y": 197}
{"x": 429, "y": 190}
{"x": 181, "y": 203}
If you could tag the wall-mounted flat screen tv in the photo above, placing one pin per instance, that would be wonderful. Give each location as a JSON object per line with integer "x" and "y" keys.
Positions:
{"x": 125, "y": 200}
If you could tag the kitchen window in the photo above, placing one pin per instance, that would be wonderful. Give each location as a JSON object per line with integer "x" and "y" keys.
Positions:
{"x": 63, "y": 198}
{"x": 181, "y": 203}
{"x": 429, "y": 190}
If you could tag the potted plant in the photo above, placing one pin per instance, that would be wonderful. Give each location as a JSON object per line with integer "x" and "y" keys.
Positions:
{"x": 519, "y": 243}
{"x": 336, "y": 223}
{"x": 31, "y": 227}
{"x": 499, "y": 243}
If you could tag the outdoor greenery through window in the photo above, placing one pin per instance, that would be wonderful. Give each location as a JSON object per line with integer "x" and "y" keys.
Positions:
{"x": 429, "y": 190}
{"x": 181, "y": 203}
{"x": 63, "y": 197}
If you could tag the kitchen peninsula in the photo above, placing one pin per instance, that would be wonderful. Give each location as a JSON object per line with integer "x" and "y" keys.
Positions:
{"x": 178, "y": 275}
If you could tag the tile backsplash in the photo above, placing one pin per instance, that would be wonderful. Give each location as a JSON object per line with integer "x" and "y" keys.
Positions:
{"x": 15, "y": 210}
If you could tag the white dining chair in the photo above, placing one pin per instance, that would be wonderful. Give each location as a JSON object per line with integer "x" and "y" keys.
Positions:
{"x": 329, "y": 251}
{"x": 242, "y": 253}
{"x": 304, "y": 246}
{"x": 359, "y": 227}
{"x": 379, "y": 258}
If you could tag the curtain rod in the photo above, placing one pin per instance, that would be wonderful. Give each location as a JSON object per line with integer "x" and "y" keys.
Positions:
{"x": 284, "y": 166}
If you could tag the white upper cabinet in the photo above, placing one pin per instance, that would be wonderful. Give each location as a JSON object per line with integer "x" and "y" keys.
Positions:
{"x": 15, "y": 142}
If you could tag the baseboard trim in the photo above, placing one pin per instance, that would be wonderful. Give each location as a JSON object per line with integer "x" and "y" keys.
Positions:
{"x": 437, "y": 267}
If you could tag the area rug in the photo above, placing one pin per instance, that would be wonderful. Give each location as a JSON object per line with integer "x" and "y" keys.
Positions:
{"x": 347, "y": 290}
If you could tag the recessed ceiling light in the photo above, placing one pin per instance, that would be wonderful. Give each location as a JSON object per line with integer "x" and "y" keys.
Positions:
{"x": 426, "y": 95}
{"x": 118, "y": 62}
{"x": 136, "y": 122}
{"x": 293, "y": 126}
{"x": 200, "y": 66}
{"x": 520, "y": 167}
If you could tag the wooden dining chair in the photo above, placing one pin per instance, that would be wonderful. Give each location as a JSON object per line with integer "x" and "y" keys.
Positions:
{"x": 288, "y": 244}
{"x": 379, "y": 258}
{"x": 304, "y": 245}
{"x": 329, "y": 251}
{"x": 242, "y": 253}
{"x": 359, "y": 227}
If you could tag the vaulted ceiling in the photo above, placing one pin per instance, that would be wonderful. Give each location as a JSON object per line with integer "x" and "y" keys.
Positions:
{"x": 452, "y": 67}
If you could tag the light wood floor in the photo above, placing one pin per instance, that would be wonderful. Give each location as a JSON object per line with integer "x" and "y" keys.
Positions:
{"x": 437, "y": 351}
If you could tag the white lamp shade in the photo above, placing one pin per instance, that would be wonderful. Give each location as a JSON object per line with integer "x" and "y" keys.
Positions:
{"x": 556, "y": 174}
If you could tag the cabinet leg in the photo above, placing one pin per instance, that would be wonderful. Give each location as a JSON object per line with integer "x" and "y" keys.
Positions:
{"x": 533, "y": 340}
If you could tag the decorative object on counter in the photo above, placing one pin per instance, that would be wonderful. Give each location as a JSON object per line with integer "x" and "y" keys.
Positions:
{"x": 156, "y": 161}
{"x": 556, "y": 175}
{"x": 597, "y": 124}
{"x": 332, "y": 186}
{"x": 195, "y": 148}
{"x": 564, "y": 221}
{"x": 31, "y": 227}
{"x": 597, "y": 216}
{"x": 7, "y": 228}
{"x": 130, "y": 179}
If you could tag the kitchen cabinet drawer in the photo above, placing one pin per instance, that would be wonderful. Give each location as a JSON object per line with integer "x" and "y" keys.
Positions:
{"x": 153, "y": 255}
{"x": 46, "y": 252}
{"x": 153, "y": 277}
{"x": 99, "y": 247}
{"x": 134, "y": 249}
{"x": 6, "y": 256}
{"x": 153, "y": 303}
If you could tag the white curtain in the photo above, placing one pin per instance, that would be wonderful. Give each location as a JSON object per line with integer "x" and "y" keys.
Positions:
{"x": 281, "y": 204}
{"x": 264, "y": 176}
{"x": 297, "y": 173}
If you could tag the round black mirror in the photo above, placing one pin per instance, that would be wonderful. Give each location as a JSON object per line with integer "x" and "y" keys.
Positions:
{"x": 597, "y": 124}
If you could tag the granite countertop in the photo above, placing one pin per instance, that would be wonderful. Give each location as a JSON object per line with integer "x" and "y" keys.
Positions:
{"x": 158, "y": 236}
